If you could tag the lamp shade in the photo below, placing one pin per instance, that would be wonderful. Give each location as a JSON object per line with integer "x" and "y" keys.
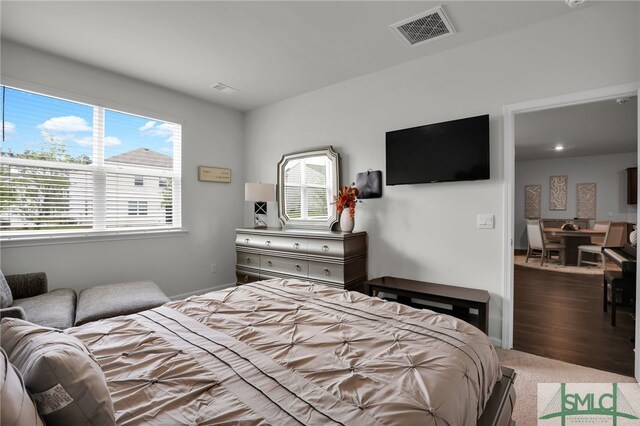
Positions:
{"x": 259, "y": 192}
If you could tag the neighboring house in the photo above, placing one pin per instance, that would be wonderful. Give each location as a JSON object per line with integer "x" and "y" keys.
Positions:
{"x": 140, "y": 197}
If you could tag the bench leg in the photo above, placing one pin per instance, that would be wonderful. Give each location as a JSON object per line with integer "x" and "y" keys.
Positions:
{"x": 613, "y": 305}
{"x": 604, "y": 295}
{"x": 483, "y": 318}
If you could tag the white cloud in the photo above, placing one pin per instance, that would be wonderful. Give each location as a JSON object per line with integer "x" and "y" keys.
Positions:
{"x": 65, "y": 125}
{"x": 112, "y": 141}
{"x": 163, "y": 130}
{"x": 88, "y": 141}
{"x": 9, "y": 127}
{"x": 148, "y": 125}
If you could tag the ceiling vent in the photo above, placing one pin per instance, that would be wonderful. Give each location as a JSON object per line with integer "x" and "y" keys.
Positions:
{"x": 428, "y": 26}
{"x": 221, "y": 87}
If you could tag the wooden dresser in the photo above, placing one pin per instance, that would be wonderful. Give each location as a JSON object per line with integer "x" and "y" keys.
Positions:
{"x": 337, "y": 259}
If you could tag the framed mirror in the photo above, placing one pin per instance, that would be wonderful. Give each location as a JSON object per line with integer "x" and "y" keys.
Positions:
{"x": 307, "y": 182}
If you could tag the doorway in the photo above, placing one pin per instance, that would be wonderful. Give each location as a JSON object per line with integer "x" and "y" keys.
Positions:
{"x": 513, "y": 222}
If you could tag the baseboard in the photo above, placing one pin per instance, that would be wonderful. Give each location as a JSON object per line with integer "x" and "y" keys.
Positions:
{"x": 201, "y": 291}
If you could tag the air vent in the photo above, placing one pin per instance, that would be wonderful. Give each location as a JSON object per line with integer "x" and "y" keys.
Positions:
{"x": 221, "y": 87}
{"x": 428, "y": 26}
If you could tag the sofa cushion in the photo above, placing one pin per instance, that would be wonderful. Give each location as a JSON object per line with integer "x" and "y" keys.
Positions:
{"x": 17, "y": 407}
{"x": 6, "y": 298}
{"x": 111, "y": 300}
{"x": 66, "y": 381}
{"x": 55, "y": 309}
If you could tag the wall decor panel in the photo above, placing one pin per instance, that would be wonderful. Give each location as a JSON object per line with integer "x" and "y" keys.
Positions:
{"x": 586, "y": 208}
{"x": 558, "y": 193}
{"x": 532, "y": 201}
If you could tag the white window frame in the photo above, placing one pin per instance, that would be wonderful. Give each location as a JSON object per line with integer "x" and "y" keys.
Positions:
{"x": 304, "y": 186}
{"x": 99, "y": 233}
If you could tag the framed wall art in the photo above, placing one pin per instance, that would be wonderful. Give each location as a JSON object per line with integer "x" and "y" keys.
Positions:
{"x": 532, "y": 197}
{"x": 558, "y": 193}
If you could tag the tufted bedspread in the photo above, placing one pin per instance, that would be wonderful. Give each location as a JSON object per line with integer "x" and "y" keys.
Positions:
{"x": 288, "y": 352}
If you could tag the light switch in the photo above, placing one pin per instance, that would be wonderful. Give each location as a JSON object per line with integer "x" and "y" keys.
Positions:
{"x": 485, "y": 221}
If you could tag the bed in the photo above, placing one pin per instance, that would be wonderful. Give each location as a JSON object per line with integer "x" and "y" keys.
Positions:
{"x": 290, "y": 352}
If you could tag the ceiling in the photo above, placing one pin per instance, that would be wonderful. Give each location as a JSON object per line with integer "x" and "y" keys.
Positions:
{"x": 268, "y": 50}
{"x": 597, "y": 128}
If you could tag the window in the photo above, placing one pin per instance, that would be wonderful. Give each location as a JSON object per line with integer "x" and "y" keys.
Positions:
{"x": 67, "y": 167}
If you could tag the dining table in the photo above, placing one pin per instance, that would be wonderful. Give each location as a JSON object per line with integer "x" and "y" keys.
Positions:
{"x": 572, "y": 239}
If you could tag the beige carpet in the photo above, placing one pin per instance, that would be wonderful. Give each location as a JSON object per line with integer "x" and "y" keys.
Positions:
{"x": 555, "y": 266}
{"x": 533, "y": 369}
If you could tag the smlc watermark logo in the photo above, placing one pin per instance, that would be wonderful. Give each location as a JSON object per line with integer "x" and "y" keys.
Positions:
{"x": 588, "y": 403}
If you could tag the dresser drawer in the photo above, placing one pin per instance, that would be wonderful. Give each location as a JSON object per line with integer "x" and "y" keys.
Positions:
{"x": 284, "y": 265}
{"x": 248, "y": 260}
{"x": 244, "y": 276}
{"x": 332, "y": 248}
{"x": 324, "y": 271}
{"x": 272, "y": 242}
{"x": 288, "y": 244}
{"x": 250, "y": 241}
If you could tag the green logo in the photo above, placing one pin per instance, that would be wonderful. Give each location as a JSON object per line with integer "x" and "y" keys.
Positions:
{"x": 611, "y": 404}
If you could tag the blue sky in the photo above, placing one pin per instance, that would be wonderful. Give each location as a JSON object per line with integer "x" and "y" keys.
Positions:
{"x": 30, "y": 118}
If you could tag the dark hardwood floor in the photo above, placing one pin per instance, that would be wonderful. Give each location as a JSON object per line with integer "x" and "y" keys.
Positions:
{"x": 559, "y": 315}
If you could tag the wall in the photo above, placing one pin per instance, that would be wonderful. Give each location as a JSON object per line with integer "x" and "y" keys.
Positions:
{"x": 428, "y": 231}
{"x": 212, "y": 135}
{"x": 607, "y": 171}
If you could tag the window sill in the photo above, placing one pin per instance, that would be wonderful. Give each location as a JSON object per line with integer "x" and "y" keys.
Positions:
{"x": 53, "y": 239}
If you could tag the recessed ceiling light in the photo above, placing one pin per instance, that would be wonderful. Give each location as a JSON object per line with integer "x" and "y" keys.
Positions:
{"x": 558, "y": 147}
{"x": 221, "y": 87}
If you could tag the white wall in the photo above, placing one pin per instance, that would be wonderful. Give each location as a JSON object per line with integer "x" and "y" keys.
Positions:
{"x": 428, "y": 231}
{"x": 607, "y": 171}
{"x": 212, "y": 135}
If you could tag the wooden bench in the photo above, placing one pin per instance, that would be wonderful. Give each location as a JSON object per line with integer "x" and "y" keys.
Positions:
{"x": 460, "y": 298}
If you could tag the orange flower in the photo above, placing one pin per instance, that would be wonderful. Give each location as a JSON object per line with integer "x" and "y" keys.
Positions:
{"x": 346, "y": 199}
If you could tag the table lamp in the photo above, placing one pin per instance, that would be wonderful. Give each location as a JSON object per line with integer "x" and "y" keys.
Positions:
{"x": 260, "y": 193}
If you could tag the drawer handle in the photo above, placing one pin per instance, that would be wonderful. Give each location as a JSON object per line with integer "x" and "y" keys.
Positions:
{"x": 269, "y": 263}
{"x": 248, "y": 260}
{"x": 298, "y": 268}
{"x": 246, "y": 278}
{"x": 296, "y": 246}
{"x": 268, "y": 243}
{"x": 325, "y": 248}
{"x": 326, "y": 271}
{"x": 246, "y": 241}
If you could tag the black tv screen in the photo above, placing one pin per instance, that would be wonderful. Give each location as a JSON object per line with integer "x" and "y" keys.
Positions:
{"x": 443, "y": 152}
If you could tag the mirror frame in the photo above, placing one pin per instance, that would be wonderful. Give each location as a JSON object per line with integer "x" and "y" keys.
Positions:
{"x": 334, "y": 157}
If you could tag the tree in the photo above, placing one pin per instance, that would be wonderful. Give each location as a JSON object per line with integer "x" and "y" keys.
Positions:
{"x": 38, "y": 197}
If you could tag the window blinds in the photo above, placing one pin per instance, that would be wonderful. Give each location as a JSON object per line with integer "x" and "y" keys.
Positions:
{"x": 68, "y": 167}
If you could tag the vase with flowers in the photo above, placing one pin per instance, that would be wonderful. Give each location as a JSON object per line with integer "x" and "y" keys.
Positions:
{"x": 345, "y": 203}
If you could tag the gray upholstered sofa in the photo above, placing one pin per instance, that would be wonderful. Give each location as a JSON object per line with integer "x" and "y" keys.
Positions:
{"x": 29, "y": 299}
{"x": 26, "y": 296}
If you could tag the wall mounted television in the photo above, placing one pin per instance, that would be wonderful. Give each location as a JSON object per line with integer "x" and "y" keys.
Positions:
{"x": 456, "y": 150}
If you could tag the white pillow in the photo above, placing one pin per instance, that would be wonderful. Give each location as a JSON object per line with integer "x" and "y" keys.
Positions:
{"x": 66, "y": 382}
{"x": 17, "y": 407}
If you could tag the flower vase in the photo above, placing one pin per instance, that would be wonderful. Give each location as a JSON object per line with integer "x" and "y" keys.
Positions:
{"x": 346, "y": 221}
{"x": 633, "y": 237}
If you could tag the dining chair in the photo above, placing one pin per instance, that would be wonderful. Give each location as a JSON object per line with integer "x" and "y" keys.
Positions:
{"x": 537, "y": 242}
{"x": 597, "y": 244}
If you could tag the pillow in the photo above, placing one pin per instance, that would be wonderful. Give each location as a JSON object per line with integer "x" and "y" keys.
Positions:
{"x": 66, "y": 382}
{"x": 6, "y": 297}
{"x": 17, "y": 407}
